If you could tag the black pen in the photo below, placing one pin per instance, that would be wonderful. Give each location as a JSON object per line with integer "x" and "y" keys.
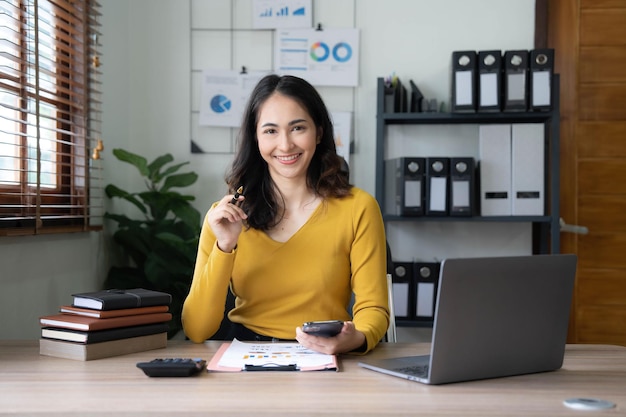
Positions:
{"x": 237, "y": 194}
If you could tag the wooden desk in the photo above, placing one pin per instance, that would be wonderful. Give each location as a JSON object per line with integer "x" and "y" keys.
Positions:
{"x": 30, "y": 383}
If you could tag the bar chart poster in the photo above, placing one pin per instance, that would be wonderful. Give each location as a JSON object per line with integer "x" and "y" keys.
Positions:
{"x": 328, "y": 57}
{"x": 278, "y": 14}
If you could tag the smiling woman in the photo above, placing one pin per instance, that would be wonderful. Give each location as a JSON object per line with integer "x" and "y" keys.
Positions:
{"x": 49, "y": 117}
{"x": 299, "y": 243}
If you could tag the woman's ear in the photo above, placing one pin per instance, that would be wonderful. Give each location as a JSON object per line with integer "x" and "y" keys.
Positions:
{"x": 320, "y": 132}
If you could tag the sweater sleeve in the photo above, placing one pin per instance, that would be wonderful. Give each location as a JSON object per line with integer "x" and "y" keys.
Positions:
{"x": 368, "y": 263}
{"x": 203, "y": 309}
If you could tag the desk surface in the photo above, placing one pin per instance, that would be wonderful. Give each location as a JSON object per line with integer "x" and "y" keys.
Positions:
{"x": 30, "y": 383}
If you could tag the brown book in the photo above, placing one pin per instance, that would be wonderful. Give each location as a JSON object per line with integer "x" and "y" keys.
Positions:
{"x": 105, "y": 314}
{"x": 87, "y": 352}
{"x": 73, "y": 321}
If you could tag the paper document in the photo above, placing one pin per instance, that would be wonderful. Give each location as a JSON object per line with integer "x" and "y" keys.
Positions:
{"x": 239, "y": 356}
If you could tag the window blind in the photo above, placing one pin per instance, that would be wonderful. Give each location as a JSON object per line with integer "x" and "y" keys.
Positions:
{"x": 50, "y": 117}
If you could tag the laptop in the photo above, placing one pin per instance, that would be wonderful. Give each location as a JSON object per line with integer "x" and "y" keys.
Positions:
{"x": 494, "y": 317}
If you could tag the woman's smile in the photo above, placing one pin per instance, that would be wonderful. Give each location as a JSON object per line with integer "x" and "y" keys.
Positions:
{"x": 288, "y": 159}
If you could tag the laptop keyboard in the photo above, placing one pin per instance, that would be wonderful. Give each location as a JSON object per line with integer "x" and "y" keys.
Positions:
{"x": 416, "y": 370}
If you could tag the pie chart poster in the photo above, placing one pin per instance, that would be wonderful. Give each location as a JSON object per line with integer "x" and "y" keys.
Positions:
{"x": 328, "y": 57}
{"x": 223, "y": 96}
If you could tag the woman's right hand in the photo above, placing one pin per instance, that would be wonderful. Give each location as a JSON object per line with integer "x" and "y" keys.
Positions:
{"x": 226, "y": 222}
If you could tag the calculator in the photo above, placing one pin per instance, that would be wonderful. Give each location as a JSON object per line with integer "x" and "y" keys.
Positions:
{"x": 172, "y": 367}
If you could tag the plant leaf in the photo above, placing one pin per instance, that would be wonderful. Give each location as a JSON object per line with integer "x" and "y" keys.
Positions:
{"x": 179, "y": 180}
{"x": 113, "y": 191}
{"x": 187, "y": 214}
{"x": 156, "y": 271}
{"x": 123, "y": 221}
{"x": 169, "y": 171}
{"x": 156, "y": 165}
{"x": 158, "y": 202}
{"x": 135, "y": 242}
{"x": 138, "y": 161}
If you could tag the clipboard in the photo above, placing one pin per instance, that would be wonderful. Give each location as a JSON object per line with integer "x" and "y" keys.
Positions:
{"x": 237, "y": 356}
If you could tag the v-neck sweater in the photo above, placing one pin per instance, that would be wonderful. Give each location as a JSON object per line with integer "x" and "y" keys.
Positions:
{"x": 340, "y": 250}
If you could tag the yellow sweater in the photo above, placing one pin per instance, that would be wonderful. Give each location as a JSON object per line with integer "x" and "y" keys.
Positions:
{"x": 278, "y": 286}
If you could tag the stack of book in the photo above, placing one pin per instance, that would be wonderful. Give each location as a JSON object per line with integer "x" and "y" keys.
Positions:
{"x": 107, "y": 323}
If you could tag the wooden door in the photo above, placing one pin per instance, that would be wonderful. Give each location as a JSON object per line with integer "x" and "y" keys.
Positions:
{"x": 589, "y": 38}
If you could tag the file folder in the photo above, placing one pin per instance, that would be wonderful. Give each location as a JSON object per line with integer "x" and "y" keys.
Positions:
{"x": 541, "y": 70}
{"x": 400, "y": 99}
{"x": 489, "y": 81}
{"x": 405, "y": 189}
{"x": 515, "y": 81}
{"x": 390, "y": 100}
{"x": 463, "y": 97}
{"x": 415, "y": 99}
{"x": 437, "y": 174}
{"x": 462, "y": 186}
{"x": 402, "y": 289}
{"x": 495, "y": 169}
{"x": 528, "y": 167}
{"x": 426, "y": 276}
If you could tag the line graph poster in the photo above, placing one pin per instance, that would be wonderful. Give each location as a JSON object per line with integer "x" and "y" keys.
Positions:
{"x": 274, "y": 14}
{"x": 328, "y": 57}
{"x": 223, "y": 96}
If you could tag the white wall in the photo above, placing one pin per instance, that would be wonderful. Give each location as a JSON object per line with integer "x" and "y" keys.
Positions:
{"x": 147, "y": 105}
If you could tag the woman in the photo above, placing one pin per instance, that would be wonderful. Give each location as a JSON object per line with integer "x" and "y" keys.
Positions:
{"x": 298, "y": 242}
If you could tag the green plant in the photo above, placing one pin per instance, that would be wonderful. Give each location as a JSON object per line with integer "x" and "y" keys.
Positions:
{"x": 161, "y": 247}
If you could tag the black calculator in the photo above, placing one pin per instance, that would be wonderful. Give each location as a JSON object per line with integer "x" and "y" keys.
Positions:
{"x": 172, "y": 366}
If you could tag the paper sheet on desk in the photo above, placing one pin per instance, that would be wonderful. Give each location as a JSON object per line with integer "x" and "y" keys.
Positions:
{"x": 233, "y": 357}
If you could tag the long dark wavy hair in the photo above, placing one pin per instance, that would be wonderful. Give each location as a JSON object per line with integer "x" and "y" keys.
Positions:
{"x": 326, "y": 175}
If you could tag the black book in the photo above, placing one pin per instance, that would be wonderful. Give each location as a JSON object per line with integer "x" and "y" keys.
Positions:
{"x": 98, "y": 336}
{"x": 118, "y": 299}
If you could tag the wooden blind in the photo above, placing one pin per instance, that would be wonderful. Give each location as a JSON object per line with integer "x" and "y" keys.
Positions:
{"x": 50, "y": 117}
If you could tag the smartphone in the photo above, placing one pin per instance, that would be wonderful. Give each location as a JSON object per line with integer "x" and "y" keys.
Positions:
{"x": 327, "y": 328}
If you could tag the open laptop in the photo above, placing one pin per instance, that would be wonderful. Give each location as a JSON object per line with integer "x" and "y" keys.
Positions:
{"x": 494, "y": 317}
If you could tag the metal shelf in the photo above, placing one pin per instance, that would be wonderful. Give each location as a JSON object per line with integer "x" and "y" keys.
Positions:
{"x": 465, "y": 118}
{"x": 472, "y": 219}
{"x": 546, "y": 229}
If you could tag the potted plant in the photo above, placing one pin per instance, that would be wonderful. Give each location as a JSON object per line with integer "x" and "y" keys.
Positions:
{"x": 161, "y": 246}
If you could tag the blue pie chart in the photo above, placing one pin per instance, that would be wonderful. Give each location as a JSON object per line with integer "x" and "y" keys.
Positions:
{"x": 220, "y": 103}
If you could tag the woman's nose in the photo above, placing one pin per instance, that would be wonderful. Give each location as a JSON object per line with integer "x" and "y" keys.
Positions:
{"x": 284, "y": 141}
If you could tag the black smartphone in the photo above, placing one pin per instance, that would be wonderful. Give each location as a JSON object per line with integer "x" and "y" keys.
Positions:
{"x": 326, "y": 328}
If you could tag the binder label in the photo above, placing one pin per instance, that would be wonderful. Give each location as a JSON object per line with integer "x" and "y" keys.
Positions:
{"x": 541, "y": 88}
{"x": 489, "y": 89}
{"x": 412, "y": 193}
{"x": 425, "y": 299}
{"x": 516, "y": 87}
{"x": 464, "y": 88}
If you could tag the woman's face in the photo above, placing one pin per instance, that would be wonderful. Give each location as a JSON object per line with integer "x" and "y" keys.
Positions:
{"x": 287, "y": 137}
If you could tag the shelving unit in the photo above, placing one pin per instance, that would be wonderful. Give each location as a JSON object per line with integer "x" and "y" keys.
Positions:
{"x": 545, "y": 229}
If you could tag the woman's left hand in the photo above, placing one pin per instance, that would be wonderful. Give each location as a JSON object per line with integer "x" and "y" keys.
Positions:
{"x": 347, "y": 340}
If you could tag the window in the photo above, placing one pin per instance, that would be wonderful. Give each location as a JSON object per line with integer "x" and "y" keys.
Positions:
{"x": 50, "y": 167}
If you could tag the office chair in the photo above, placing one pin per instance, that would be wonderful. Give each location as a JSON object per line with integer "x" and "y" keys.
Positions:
{"x": 391, "y": 336}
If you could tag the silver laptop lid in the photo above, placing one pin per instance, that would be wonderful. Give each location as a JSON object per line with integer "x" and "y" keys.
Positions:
{"x": 501, "y": 316}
